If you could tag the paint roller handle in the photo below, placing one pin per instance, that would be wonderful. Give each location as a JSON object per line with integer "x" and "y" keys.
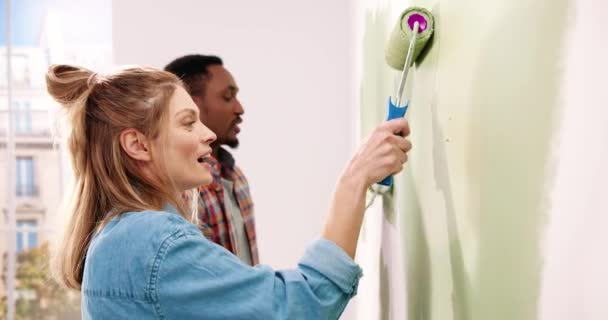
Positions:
{"x": 394, "y": 112}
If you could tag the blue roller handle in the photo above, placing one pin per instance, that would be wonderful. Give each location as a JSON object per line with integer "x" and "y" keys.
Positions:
{"x": 394, "y": 112}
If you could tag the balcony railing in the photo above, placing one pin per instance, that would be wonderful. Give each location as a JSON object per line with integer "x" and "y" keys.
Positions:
{"x": 30, "y": 191}
{"x": 33, "y": 123}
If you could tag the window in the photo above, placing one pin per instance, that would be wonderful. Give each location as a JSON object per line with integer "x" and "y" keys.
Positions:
{"x": 25, "y": 177}
{"x": 20, "y": 72}
{"x": 23, "y": 117}
{"x": 27, "y": 235}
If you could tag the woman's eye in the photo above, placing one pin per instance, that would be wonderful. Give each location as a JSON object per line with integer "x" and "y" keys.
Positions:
{"x": 190, "y": 124}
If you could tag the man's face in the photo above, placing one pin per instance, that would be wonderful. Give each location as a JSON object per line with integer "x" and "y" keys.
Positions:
{"x": 220, "y": 109}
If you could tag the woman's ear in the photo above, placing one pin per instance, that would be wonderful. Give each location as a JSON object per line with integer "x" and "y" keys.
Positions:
{"x": 135, "y": 144}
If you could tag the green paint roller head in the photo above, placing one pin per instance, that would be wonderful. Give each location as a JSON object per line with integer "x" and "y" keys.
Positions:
{"x": 401, "y": 35}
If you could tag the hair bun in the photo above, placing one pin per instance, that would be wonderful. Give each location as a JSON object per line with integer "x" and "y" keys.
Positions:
{"x": 66, "y": 84}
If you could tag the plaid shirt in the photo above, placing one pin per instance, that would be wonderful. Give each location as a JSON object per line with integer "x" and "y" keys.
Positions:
{"x": 213, "y": 221}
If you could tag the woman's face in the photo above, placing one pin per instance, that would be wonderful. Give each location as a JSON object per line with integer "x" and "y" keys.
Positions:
{"x": 184, "y": 146}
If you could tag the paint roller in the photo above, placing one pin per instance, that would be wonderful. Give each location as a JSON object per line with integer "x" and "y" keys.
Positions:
{"x": 407, "y": 40}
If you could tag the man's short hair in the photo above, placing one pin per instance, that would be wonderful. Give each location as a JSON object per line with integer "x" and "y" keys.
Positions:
{"x": 193, "y": 71}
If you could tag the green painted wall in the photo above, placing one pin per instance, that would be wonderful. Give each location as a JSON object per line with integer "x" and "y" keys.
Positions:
{"x": 470, "y": 207}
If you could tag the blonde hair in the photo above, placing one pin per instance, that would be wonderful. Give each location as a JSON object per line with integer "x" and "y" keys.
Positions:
{"x": 107, "y": 181}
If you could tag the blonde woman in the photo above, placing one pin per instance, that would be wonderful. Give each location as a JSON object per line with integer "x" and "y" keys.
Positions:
{"x": 135, "y": 142}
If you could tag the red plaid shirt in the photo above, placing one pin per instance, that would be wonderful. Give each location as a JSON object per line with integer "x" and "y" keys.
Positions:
{"x": 213, "y": 221}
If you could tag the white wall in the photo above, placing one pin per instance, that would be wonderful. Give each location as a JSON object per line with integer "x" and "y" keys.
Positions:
{"x": 292, "y": 61}
{"x": 575, "y": 282}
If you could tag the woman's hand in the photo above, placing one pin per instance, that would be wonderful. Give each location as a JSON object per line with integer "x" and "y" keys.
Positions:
{"x": 383, "y": 153}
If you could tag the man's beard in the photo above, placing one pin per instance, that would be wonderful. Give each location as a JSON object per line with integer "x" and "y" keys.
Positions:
{"x": 232, "y": 143}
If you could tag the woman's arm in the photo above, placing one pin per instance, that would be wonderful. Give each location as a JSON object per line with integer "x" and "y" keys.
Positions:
{"x": 381, "y": 155}
{"x": 193, "y": 278}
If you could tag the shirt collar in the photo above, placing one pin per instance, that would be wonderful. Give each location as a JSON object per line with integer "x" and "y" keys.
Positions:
{"x": 222, "y": 166}
{"x": 170, "y": 208}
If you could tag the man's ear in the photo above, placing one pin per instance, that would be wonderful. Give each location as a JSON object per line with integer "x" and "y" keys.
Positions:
{"x": 135, "y": 144}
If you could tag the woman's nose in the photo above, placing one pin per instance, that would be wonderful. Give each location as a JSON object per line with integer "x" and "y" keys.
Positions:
{"x": 208, "y": 136}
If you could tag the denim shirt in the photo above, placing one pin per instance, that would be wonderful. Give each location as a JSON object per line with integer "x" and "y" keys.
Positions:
{"x": 157, "y": 265}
